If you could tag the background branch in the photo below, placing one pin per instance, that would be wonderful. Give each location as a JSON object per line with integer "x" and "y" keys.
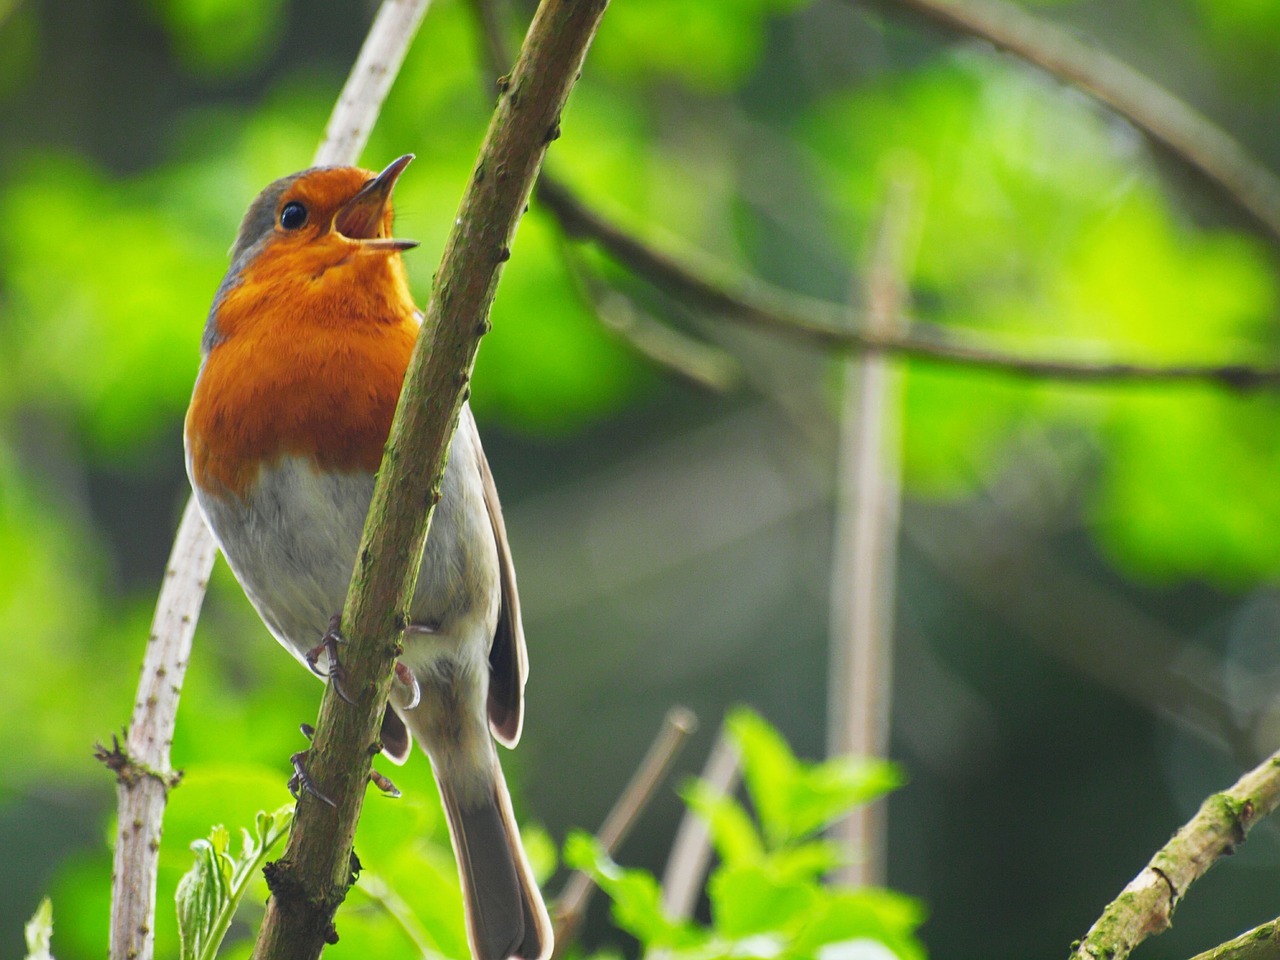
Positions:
{"x": 142, "y": 764}
{"x": 571, "y": 906}
{"x": 1189, "y": 135}
{"x": 311, "y": 879}
{"x": 682, "y": 880}
{"x": 863, "y": 568}
{"x": 1146, "y": 905}
{"x": 711, "y": 287}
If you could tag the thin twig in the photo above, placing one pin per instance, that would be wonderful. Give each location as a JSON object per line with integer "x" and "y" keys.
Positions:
{"x": 141, "y": 764}
{"x": 142, "y": 799}
{"x": 863, "y": 574}
{"x": 311, "y": 878}
{"x": 1190, "y": 136}
{"x": 682, "y": 880}
{"x": 711, "y": 287}
{"x": 571, "y": 907}
{"x": 1260, "y": 943}
{"x": 701, "y": 364}
{"x": 1146, "y": 905}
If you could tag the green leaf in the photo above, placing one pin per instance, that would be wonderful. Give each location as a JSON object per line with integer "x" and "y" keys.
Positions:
{"x": 39, "y": 931}
{"x": 735, "y": 837}
{"x": 636, "y": 895}
{"x": 769, "y": 768}
{"x": 796, "y": 799}
{"x": 825, "y": 792}
{"x": 748, "y": 900}
{"x": 844, "y": 918}
{"x": 211, "y": 890}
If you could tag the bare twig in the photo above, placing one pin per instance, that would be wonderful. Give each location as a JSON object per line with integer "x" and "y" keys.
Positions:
{"x": 311, "y": 879}
{"x": 701, "y": 364}
{"x": 868, "y": 494}
{"x": 142, "y": 798}
{"x": 1260, "y": 943}
{"x": 141, "y": 764}
{"x": 1146, "y": 905}
{"x": 710, "y": 287}
{"x": 571, "y": 906}
{"x": 1193, "y": 138}
{"x": 691, "y": 850}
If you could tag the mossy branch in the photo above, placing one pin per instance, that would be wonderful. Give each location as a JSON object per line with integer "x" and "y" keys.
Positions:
{"x": 1260, "y": 943}
{"x": 311, "y": 879}
{"x": 1146, "y": 905}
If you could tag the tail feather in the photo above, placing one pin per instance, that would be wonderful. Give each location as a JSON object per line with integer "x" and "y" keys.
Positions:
{"x": 504, "y": 910}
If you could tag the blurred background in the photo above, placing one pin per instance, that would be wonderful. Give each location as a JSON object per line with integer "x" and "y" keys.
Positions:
{"x": 1085, "y": 613}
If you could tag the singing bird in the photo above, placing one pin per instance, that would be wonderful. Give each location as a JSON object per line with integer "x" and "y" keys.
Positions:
{"x": 303, "y": 356}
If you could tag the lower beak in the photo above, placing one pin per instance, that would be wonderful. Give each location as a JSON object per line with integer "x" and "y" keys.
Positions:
{"x": 362, "y": 216}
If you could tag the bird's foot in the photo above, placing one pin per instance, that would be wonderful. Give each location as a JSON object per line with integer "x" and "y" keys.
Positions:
{"x": 413, "y": 692}
{"x": 328, "y": 645}
{"x": 301, "y": 781}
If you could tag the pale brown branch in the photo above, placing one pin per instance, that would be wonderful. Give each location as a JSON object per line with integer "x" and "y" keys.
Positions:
{"x": 1260, "y": 943}
{"x": 312, "y": 877}
{"x": 682, "y": 880}
{"x": 141, "y": 763}
{"x": 863, "y": 567}
{"x": 571, "y": 906}
{"x": 1146, "y": 905}
{"x": 372, "y": 75}
{"x": 1189, "y": 135}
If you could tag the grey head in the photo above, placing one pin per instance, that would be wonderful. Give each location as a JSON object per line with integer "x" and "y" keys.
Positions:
{"x": 256, "y": 228}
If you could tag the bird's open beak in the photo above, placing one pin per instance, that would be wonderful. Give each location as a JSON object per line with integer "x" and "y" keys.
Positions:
{"x": 361, "y": 217}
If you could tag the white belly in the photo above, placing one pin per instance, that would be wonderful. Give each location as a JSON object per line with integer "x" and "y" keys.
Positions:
{"x": 292, "y": 544}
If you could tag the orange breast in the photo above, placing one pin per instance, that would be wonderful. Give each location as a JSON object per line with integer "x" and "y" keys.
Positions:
{"x": 312, "y": 368}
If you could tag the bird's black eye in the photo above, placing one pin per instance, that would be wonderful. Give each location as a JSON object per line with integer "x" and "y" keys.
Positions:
{"x": 293, "y": 216}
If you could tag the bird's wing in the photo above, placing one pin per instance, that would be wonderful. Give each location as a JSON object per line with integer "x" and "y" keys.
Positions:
{"x": 508, "y": 661}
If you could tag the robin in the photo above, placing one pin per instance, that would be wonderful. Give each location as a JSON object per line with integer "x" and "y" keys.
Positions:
{"x": 303, "y": 357}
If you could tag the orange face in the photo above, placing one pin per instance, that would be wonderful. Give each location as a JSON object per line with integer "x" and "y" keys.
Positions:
{"x": 316, "y": 248}
{"x": 315, "y": 307}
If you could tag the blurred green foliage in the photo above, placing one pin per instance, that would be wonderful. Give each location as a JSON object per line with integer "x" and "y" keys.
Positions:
{"x": 767, "y": 895}
{"x": 738, "y": 126}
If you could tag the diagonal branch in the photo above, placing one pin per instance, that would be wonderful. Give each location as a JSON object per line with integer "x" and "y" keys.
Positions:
{"x": 1192, "y": 137}
{"x": 311, "y": 879}
{"x": 571, "y": 906}
{"x": 142, "y": 798}
{"x": 1146, "y": 905}
{"x": 712, "y": 288}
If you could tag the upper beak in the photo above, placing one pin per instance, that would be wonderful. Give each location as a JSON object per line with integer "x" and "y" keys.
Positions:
{"x": 361, "y": 217}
